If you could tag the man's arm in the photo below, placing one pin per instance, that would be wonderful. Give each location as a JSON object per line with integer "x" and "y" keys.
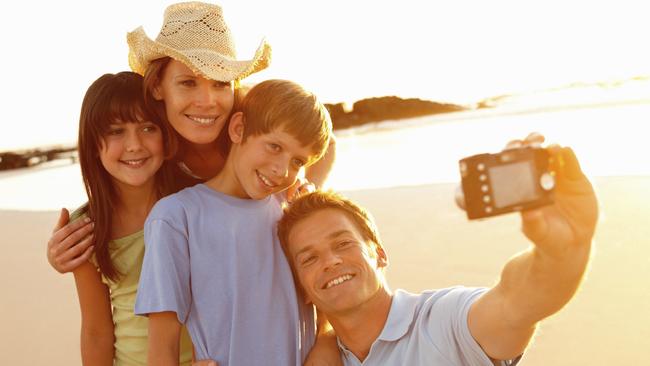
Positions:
{"x": 164, "y": 339}
{"x": 541, "y": 280}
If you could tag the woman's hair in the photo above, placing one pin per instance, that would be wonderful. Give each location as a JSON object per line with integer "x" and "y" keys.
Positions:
{"x": 113, "y": 98}
{"x": 152, "y": 78}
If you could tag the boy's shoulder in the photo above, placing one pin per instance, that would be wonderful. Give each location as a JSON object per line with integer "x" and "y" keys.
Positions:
{"x": 177, "y": 202}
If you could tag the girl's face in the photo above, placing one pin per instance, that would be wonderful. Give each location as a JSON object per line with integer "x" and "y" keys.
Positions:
{"x": 196, "y": 107}
{"x": 132, "y": 153}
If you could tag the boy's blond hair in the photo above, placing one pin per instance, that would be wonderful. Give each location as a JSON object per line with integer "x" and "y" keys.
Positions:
{"x": 285, "y": 105}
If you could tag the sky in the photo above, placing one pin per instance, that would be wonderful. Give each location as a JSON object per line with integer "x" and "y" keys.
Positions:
{"x": 456, "y": 51}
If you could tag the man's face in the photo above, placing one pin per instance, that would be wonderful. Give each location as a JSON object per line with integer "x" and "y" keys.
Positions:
{"x": 338, "y": 270}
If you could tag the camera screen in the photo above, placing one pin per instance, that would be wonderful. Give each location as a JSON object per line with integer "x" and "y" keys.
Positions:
{"x": 513, "y": 184}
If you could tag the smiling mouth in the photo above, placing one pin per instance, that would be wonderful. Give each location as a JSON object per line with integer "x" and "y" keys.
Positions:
{"x": 266, "y": 181}
{"x": 204, "y": 121}
{"x": 134, "y": 162}
{"x": 337, "y": 281}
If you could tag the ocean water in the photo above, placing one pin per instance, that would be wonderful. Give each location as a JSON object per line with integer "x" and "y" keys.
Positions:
{"x": 609, "y": 140}
{"x": 610, "y": 137}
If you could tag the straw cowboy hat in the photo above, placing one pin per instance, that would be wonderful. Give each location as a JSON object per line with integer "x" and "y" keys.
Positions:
{"x": 195, "y": 34}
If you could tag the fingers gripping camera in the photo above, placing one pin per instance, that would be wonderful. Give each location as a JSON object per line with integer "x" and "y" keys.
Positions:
{"x": 512, "y": 180}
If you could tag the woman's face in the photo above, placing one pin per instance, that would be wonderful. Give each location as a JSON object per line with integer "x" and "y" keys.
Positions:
{"x": 196, "y": 107}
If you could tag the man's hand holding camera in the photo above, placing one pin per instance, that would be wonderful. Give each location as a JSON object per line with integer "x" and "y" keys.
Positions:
{"x": 541, "y": 280}
{"x": 571, "y": 221}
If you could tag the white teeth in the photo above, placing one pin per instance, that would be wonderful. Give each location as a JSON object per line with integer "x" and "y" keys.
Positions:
{"x": 338, "y": 281}
{"x": 265, "y": 180}
{"x": 134, "y": 162}
{"x": 203, "y": 121}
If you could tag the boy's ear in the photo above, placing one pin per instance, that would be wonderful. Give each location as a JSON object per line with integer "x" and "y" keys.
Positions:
{"x": 236, "y": 127}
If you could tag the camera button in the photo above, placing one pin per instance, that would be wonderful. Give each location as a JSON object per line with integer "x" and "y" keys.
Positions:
{"x": 482, "y": 177}
{"x": 484, "y": 188}
{"x": 488, "y": 209}
{"x": 487, "y": 199}
{"x": 480, "y": 167}
{"x": 547, "y": 181}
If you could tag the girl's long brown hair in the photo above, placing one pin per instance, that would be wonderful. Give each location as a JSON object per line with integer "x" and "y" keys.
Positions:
{"x": 112, "y": 98}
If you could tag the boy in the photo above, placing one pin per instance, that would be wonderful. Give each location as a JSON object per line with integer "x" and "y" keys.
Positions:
{"x": 212, "y": 258}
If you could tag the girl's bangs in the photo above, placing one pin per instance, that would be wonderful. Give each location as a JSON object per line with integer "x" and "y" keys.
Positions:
{"x": 125, "y": 107}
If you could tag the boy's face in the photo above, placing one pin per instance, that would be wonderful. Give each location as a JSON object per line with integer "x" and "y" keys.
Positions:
{"x": 337, "y": 268}
{"x": 265, "y": 164}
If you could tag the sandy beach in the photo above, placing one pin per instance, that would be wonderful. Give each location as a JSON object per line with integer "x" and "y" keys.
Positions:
{"x": 430, "y": 245}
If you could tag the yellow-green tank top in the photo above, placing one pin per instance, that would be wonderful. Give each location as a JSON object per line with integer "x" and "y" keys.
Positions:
{"x": 131, "y": 330}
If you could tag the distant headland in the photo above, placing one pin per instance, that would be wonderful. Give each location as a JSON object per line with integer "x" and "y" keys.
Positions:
{"x": 31, "y": 157}
{"x": 385, "y": 108}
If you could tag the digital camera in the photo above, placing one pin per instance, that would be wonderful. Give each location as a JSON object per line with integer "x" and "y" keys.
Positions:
{"x": 512, "y": 180}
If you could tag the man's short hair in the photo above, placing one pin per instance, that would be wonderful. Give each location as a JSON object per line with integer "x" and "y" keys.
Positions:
{"x": 312, "y": 202}
{"x": 285, "y": 105}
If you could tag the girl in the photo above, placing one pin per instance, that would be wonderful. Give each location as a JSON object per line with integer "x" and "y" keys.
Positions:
{"x": 122, "y": 157}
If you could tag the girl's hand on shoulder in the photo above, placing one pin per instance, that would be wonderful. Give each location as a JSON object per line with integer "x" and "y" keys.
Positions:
{"x": 71, "y": 244}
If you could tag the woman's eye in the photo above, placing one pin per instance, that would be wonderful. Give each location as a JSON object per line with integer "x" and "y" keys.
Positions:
{"x": 188, "y": 83}
{"x": 222, "y": 84}
{"x": 274, "y": 147}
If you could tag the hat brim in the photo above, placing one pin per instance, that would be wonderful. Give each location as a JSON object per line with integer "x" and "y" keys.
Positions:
{"x": 208, "y": 63}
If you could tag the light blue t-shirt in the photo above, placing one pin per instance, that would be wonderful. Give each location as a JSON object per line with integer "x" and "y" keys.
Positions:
{"x": 215, "y": 260}
{"x": 426, "y": 329}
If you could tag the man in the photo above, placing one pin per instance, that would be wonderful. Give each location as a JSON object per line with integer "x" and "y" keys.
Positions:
{"x": 337, "y": 257}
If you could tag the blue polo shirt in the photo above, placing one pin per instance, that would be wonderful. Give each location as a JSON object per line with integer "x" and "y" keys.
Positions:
{"x": 427, "y": 329}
